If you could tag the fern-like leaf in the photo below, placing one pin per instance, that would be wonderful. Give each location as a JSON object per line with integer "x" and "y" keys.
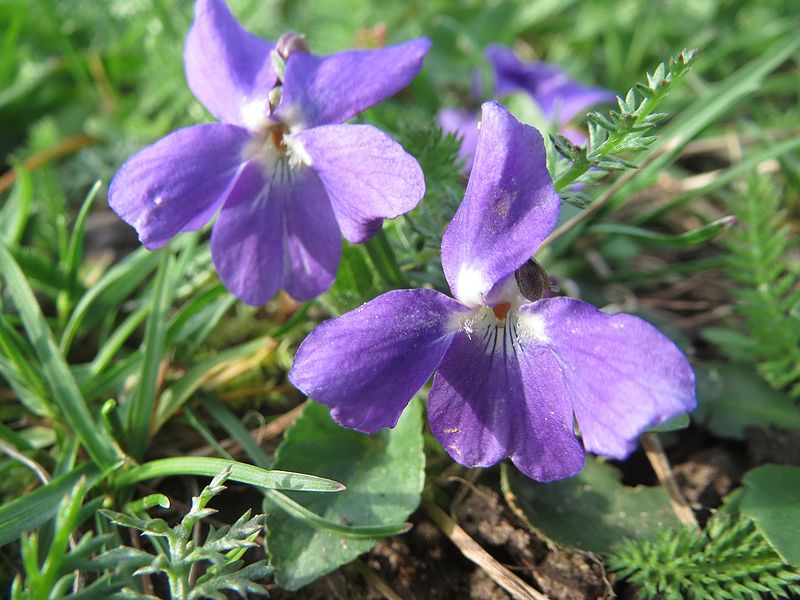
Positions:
{"x": 628, "y": 129}
{"x": 730, "y": 559}
{"x": 234, "y": 578}
{"x": 768, "y": 293}
{"x": 220, "y": 553}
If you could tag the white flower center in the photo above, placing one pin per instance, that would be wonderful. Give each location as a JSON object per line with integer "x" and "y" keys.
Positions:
{"x": 502, "y": 324}
{"x": 274, "y": 148}
{"x": 254, "y": 114}
{"x": 470, "y": 286}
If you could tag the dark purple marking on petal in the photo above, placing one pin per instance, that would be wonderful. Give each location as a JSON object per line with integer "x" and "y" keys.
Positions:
{"x": 464, "y": 124}
{"x": 623, "y": 375}
{"x": 510, "y": 206}
{"x": 368, "y": 176}
{"x": 178, "y": 183}
{"x": 228, "y": 69}
{"x": 492, "y": 398}
{"x": 324, "y": 90}
{"x": 368, "y": 364}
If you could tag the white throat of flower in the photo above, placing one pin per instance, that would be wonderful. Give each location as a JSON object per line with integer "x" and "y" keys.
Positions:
{"x": 499, "y": 318}
{"x": 275, "y": 149}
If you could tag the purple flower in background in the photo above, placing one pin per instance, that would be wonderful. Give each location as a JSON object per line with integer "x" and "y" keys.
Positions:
{"x": 558, "y": 97}
{"x": 514, "y": 370}
{"x": 282, "y": 171}
{"x": 463, "y": 123}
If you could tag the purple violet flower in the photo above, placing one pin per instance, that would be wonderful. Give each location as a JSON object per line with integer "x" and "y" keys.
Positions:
{"x": 558, "y": 97}
{"x": 513, "y": 374}
{"x": 282, "y": 171}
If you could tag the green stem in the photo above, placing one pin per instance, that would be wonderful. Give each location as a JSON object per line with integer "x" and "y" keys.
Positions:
{"x": 382, "y": 256}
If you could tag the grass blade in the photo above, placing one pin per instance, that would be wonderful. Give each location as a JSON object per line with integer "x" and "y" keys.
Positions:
{"x": 75, "y": 248}
{"x": 352, "y": 531}
{"x": 16, "y": 211}
{"x": 121, "y": 279}
{"x": 238, "y": 432}
{"x": 140, "y": 415}
{"x": 241, "y": 472}
{"x": 176, "y": 395}
{"x": 32, "y": 510}
{"x": 694, "y": 236}
{"x": 58, "y": 377}
{"x": 707, "y": 109}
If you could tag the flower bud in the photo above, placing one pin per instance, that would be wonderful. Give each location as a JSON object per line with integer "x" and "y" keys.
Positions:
{"x": 291, "y": 42}
{"x": 532, "y": 280}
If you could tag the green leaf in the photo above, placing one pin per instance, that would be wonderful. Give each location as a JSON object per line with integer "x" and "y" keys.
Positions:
{"x": 733, "y": 397}
{"x": 384, "y": 473}
{"x": 735, "y": 345}
{"x": 592, "y": 511}
{"x": 383, "y": 258}
{"x": 232, "y": 577}
{"x": 35, "y": 508}
{"x": 772, "y": 499}
{"x": 59, "y": 379}
{"x": 241, "y": 472}
{"x": 356, "y": 532}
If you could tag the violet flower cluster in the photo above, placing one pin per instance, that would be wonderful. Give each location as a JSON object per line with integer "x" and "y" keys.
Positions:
{"x": 283, "y": 172}
{"x": 559, "y": 98}
{"x": 515, "y": 368}
{"x": 515, "y": 371}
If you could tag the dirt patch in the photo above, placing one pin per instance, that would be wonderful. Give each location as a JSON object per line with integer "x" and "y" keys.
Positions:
{"x": 772, "y": 445}
{"x": 707, "y": 477}
{"x": 562, "y": 574}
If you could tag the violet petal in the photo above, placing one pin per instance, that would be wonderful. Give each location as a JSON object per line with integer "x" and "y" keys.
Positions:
{"x": 228, "y": 69}
{"x": 313, "y": 243}
{"x": 323, "y": 90}
{"x": 559, "y": 97}
{"x": 368, "y": 364}
{"x": 464, "y": 124}
{"x": 277, "y": 233}
{"x": 509, "y": 208}
{"x": 493, "y": 398}
{"x": 247, "y": 239}
{"x": 510, "y": 73}
{"x": 562, "y": 98}
{"x": 178, "y": 183}
{"x": 368, "y": 176}
{"x": 623, "y": 375}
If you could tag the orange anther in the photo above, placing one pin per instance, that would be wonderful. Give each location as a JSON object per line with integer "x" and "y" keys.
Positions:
{"x": 501, "y": 310}
{"x": 277, "y": 137}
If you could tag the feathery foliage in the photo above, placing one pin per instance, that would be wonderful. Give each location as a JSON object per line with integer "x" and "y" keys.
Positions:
{"x": 222, "y": 549}
{"x": 618, "y": 132}
{"x": 416, "y": 236}
{"x": 729, "y": 559}
{"x": 769, "y": 282}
